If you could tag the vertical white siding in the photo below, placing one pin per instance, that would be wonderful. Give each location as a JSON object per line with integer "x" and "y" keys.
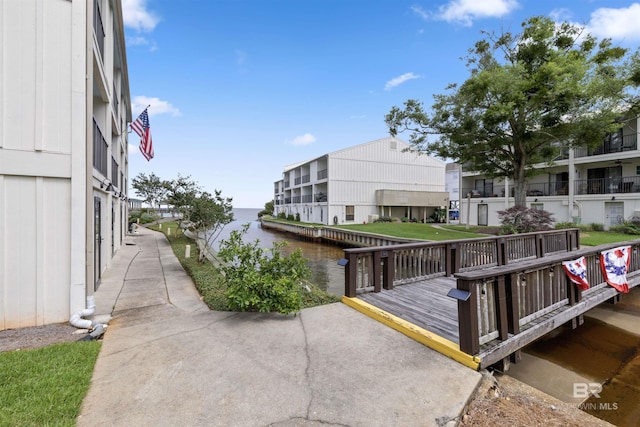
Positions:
{"x": 34, "y": 251}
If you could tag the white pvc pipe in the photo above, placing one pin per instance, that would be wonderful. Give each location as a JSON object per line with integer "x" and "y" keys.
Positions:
{"x": 77, "y": 318}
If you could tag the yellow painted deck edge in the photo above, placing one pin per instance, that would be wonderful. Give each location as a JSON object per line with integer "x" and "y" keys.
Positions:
{"x": 423, "y": 336}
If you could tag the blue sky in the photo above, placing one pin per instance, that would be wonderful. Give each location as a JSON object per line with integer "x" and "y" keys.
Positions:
{"x": 240, "y": 89}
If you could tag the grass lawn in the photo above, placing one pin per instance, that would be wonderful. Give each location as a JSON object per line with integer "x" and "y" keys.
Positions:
{"x": 412, "y": 230}
{"x": 595, "y": 238}
{"x": 207, "y": 278}
{"x": 46, "y": 386}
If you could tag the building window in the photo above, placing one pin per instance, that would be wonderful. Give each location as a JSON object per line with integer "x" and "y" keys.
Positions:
{"x": 483, "y": 214}
{"x": 114, "y": 172}
{"x": 537, "y": 206}
{"x": 350, "y": 212}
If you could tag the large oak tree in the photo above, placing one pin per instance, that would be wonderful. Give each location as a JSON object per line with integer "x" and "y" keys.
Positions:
{"x": 528, "y": 96}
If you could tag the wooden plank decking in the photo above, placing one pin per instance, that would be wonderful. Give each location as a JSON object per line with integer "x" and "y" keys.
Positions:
{"x": 424, "y": 304}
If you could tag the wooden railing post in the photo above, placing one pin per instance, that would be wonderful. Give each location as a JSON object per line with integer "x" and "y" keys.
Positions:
{"x": 513, "y": 313}
{"x": 539, "y": 246}
{"x": 468, "y": 319}
{"x": 575, "y": 295}
{"x": 501, "y": 243}
{"x": 375, "y": 270}
{"x": 388, "y": 269}
{"x": 502, "y": 314}
{"x": 351, "y": 275}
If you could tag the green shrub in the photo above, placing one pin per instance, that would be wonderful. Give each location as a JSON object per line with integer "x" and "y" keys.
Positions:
{"x": 597, "y": 227}
{"x": 565, "y": 225}
{"x": 146, "y": 218}
{"x": 297, "y": 217}
{"x": 627, "y": 227}
{"x": 290, "y": 217}
{"x": 520, "y": 219}
{"x": 261, "y": 281}
{"x": 384, "y": 219}
{"x": 282, "y": 215}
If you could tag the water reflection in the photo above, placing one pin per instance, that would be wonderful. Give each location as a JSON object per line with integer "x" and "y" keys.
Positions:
{"x": 323, "y": 259}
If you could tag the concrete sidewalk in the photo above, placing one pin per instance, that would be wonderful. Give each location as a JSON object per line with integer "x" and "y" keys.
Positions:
{"x": 167, "y": 360}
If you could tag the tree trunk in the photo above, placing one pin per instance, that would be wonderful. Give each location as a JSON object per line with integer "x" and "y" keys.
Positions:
{"x": 520, "y": 187}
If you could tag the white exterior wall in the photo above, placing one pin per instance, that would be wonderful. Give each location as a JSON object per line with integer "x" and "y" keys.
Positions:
{"x": 45, "y": 158}
{"x": 37, "y": 144}
{"x": 354, "y": 175}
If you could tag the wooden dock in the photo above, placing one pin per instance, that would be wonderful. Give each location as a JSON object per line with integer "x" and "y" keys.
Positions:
{"x": 509, "y": 298}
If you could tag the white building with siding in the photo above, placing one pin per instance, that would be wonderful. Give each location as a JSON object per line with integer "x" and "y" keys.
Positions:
{"x": 64, "y": 108}
{"x": 362, "y": 183}
{"x": 598, "y": 186}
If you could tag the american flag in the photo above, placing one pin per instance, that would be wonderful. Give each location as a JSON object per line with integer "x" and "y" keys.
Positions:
{"x": 142, "y": 128}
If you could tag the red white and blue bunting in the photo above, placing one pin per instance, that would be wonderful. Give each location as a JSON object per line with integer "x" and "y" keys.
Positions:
{"x": 615, "y": 265}
{"x": 577, "y": 272}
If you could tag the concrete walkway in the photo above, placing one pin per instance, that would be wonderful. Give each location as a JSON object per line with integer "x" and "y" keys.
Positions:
{"x": 167, "y": 360}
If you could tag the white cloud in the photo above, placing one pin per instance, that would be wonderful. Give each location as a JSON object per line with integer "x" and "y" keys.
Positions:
{"x": 616, "y": 23}
{"x": 420, "y": 12}
{"x": 397, "y": 81}
{"x": 136, "y": 15}
{"x": 305, "y": 139}
{"x": 142, "y": 41}
{"x": 465, "y": 11}
{"x": 132, "y": 149}
{"x": 560, "y": 14}
{"x": 156, "y": 106}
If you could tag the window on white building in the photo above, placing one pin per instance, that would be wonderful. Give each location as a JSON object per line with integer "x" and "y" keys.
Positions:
{"x": 350, "y": 212}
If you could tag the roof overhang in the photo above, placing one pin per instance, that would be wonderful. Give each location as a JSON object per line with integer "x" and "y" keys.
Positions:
{"x": 411, "y": 198}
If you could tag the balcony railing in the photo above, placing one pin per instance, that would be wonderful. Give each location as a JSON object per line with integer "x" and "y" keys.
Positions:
{"x": 114, "y": 99}
{"x": 627, "y": 143}
{"x": 100, "y": 149}
{"x": 320, "y": 197}
{"x": 287, "y": 184}
{"x": 295, "y": 199}
{"x": 558, "y": 188}
{"x": 307, "y": 198}
{"x": 323, "y": 174}
{"x": 625, "y": 184}
{"x": 297, "y": 181}
{"x": 98, "y": 27}
{"x": 306, "y": 178}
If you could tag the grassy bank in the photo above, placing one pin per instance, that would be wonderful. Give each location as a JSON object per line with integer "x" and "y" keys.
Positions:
{"x": 207, "y": 277}
{"x": 412, "y": 230}
{"x": 46, "y": 386}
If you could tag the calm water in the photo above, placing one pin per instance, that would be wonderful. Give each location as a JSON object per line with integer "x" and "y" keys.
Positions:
{"x": 323, "y": 259}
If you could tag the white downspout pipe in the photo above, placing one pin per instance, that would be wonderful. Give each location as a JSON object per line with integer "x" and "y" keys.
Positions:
{"x": 77, "y": 318}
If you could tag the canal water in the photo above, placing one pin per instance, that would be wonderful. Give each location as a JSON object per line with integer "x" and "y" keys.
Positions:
{"x": 323, "y": 259}
{"x": 596, "y": 350}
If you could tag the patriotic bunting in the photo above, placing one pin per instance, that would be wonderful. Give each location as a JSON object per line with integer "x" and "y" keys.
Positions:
{"x": 615, "y": 265}
{"x": 577, "y": 272}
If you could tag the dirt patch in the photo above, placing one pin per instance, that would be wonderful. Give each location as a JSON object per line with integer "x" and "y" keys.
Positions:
{"x": 38, "y": 336}
{"x": 504, "y": 401}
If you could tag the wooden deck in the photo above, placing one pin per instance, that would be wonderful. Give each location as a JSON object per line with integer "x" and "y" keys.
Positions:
{"x": 507, "y": 307}
{"x": 424, "y": 304}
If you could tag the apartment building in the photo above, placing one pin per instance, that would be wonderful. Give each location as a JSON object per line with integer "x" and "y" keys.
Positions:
{"x": 600, "y": 186}
{"x": 362, "y": 183}
{"x": 64, "y": 109}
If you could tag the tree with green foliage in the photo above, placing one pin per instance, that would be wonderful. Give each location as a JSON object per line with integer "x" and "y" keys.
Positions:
{"x": 181, "y": 193}
{"x": 268, "y": 209}
{"x": 528, "y": 97}
{"x": 151, "y": 188}
{"x": 262, "y": 281}
{"x": 209, "y": 214}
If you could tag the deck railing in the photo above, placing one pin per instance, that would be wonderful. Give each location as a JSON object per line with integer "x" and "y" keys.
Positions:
{"x": 383, "y": 267}
{"x": 507, "y": 300}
